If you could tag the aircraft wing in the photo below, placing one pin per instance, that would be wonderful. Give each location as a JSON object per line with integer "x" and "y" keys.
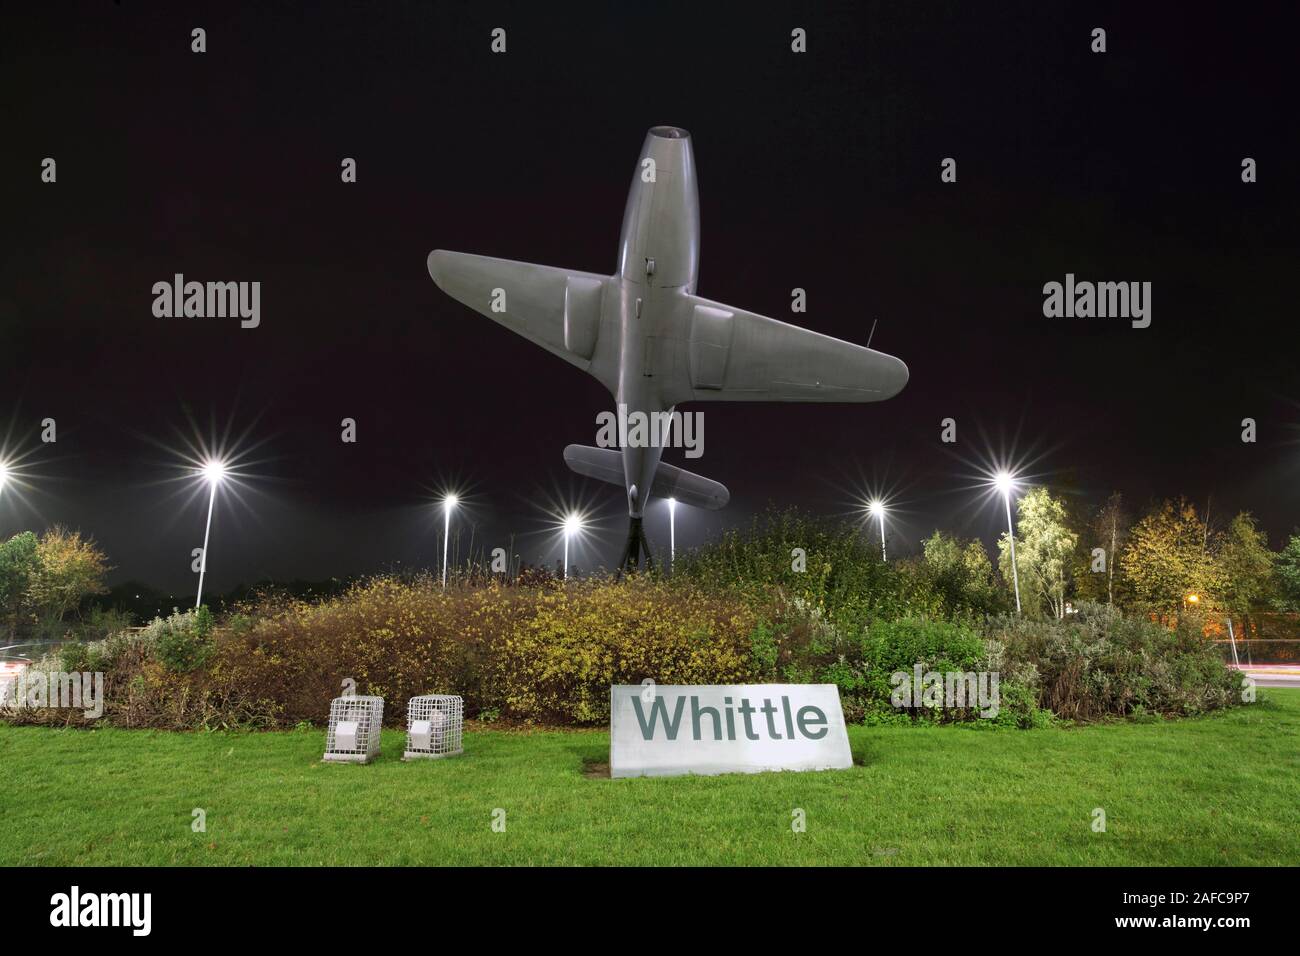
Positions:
{"x": 559, "y": 309}
{"x": 734, "y": 355}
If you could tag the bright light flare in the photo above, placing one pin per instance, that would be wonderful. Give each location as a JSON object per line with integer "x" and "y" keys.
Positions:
{"x": 4, "y": 475}
{"x": 567, "y": 521}
{"x": 214, "y": 472}
{"x": 1005, "y": 482}
{"x": 216, "y": 464}
{"x": 450, "y": 501}
{"x": 876, "y": 507}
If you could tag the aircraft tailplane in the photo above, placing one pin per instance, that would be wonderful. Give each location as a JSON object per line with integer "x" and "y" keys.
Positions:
{"x": 606, "y": 464}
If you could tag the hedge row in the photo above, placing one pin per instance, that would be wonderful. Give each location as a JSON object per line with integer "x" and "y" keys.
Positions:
{"x": 549, "y": 654}
{"x": 546, "y": 654}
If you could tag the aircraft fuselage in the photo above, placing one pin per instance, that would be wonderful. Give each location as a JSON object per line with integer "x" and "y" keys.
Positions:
{"x": 658, "y": 264}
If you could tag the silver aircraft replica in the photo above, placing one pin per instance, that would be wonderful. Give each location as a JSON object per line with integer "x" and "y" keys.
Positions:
{"x": 646, "y": 336}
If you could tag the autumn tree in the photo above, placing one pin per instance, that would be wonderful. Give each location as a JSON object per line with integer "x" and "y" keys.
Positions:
{"x": 69, "y": 569}
{"x": 1044, "y": 548}
{"x": 1170, "y": 555}
{"x": 1246, "y": 564}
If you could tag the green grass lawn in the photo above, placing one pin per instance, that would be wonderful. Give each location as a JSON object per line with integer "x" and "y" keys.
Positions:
{"x": 1224, "y": 789}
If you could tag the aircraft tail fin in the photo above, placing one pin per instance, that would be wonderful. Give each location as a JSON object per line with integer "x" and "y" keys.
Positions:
{"x": 606, "y": 464}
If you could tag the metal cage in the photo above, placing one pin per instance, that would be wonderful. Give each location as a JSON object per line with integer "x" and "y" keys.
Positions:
{"x": 353, "y": 735}
{"x": 433, "y": 726}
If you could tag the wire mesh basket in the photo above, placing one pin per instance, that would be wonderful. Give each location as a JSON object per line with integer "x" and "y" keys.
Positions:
{"x": 434, "y": 723}
{"x": 353, "y": 735}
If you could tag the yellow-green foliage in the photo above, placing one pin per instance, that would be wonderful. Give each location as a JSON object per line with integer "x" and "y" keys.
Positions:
{"x": 542, "y": 654}
{"x": 559, "y": 665}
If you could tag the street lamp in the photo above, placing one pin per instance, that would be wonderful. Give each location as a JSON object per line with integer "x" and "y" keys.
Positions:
{"x": 1006, "y": 483}
{"x": 448, "y": 503}
{"x": 572, "y": 525}
{"x": 877, "y": 508}
{"x": 672, "y": 531}
{"x": 213, "y": 472}
{"x": 4, "y": 475}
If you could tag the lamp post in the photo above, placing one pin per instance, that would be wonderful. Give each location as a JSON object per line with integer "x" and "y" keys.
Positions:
{"x": 1006, "y": 483}
{"x": 213, "y": 472}
{"x": 448, "y": 503}
{"x": 672, "y": 532}
{"x": 572, "y": 525}
{"x": 877, "y": 508}
{"x": 4, "y": 475}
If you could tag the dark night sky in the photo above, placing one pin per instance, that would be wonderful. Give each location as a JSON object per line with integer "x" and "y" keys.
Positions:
{"x": 819, "y": 171}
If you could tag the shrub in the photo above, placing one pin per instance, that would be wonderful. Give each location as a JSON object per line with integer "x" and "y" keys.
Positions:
{"x": 763, "y": 650}
{"x": 844, "y": 578}
{"x": 891, "y": 646}
{"x": 392, "y": 638}
{"x": 559, "y": 666}
{"x": 843, "y": 571}
{"x": 1096, "y": 663}
{"x": 75, "y": 656}
{"x": 534, "y": 654}
{"x": 183, "y": 642}
{"x": 864, "y": 673}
